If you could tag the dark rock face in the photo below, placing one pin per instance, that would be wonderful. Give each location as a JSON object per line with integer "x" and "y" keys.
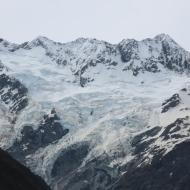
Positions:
{"x": 69, "y": 159}
{"x": 130, "y": 55}
{"x": 128, "y": 50}
{"x": 14, "y": 176}
{"x": 173, "y": 60}
{"x": 64, "y": 168}
{"x": 145, "y": 142}
{"x": 166, "y": 170}
{"x": 84, "y": 81}
{"x": 171, "y": 103}
{"x": 140, "y": 143}
{"x": 167, "y": 173}
{"x": 49, "y": 131}
{"x": 94, "y": 175}
{"x": 13, "y": 93}
{"x": 184, "y": 89}
{"x": 170, "y": 55}
{"x": 171, "y": 130}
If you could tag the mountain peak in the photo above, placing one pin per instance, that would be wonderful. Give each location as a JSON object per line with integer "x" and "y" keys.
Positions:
{"x": 42, "y": 39}
{"x": 164, "y": 37}
{"x": 37, "y": 42}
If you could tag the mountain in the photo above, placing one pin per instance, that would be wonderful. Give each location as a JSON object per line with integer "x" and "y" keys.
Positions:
{"x": 81, "y": 56}
{"x": 161, "y": 153}
{"x": 14, "y": 176}
{"x": 92, "y": 115}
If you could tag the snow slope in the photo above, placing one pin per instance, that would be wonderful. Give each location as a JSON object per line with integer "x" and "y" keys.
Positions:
{"x": 104, "y": 95}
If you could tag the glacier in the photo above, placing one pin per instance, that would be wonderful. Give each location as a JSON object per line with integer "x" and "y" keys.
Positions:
{"x": 104, "y": 94}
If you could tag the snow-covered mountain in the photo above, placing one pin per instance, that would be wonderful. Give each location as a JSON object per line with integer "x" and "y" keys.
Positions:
{"x": 87, "y": 114}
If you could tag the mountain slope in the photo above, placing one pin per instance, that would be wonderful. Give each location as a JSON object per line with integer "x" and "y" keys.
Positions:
{"x": 161, "y": 153}
{"x": 168, "y": 172}
{"x": 14, "y": 176}
{"x": 88, "y": 110}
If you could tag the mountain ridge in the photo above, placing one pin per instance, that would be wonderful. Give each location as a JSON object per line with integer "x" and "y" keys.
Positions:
{"x": 79, "y": 56}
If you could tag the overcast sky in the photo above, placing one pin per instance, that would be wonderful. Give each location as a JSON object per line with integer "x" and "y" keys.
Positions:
{"x": 110, "y": 20}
